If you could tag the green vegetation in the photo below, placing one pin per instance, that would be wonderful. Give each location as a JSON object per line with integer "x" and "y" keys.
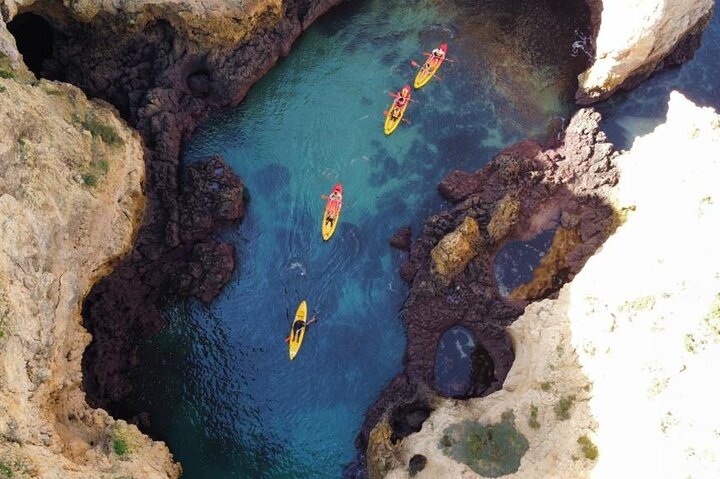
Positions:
{"x": 491, "y": 451}
{"x": 563, "y": 406}
{"x": 89, "y": 179}
{"x": 5, "y": 471}
{"x": 2, "y": 89}
{"x": 644, "y": 303}
{"x": 712, "y": 319}
{"x": 6, "y": 70}
{"x": 105, "y": 132}
{"x": 589, "y": 449}
{"x": 120, "y": 446}
{"x": 532, "y": 419}
{"x": 546, "y": 386}
{"x": 96, "y": 170}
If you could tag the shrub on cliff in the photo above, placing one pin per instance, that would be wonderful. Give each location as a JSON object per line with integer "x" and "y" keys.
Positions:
{"x": 491, "y": 451}
{"x": 105, "y": 132}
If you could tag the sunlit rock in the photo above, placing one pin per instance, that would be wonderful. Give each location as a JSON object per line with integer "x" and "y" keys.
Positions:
{"x": 634, "y": 38}
{"x": 454, "y": 251}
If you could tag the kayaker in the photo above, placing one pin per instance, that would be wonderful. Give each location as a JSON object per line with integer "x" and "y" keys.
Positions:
{"x": 437, "y": 53}
{"x": 299, "y": 326}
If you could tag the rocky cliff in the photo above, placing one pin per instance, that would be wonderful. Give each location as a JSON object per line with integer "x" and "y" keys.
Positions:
{"x": 71, "y": 202}
{"x": 610, "y": 379}
{"x": 631, "y": 39}
{"x": 164, "y": 65}
{"x": 72, "y": 196}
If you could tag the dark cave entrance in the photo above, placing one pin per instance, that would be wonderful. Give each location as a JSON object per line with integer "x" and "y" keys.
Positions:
{"x": 34, "y": 37}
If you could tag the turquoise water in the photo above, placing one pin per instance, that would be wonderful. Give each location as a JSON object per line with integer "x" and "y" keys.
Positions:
{"x": 217, "y": 383}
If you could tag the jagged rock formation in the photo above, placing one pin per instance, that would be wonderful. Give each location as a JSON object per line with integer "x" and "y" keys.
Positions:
{"x": 524, "y": 190}
{"x": 610, "y": 379}
{"x": 164, "y": 65}
{"x": 456, "y": 249}
{"x": 71, "y": 202}
{"x": 632, "y": 39}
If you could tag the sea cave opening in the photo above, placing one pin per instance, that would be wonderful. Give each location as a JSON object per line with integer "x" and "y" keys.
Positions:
{"x": 34, "y": 37}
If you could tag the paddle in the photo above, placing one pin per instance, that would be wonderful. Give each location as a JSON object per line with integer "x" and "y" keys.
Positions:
{"x": 401, "y": 119}
{"x": 326, "y": 197}
{"x": 446, "y": 59}
{"x": 312, "y": 320}
{"x": 395, "y": 96}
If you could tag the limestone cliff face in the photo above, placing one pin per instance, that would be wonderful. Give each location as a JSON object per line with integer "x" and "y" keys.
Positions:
{"x": 164, "y": 65}
{"x": 71, "y": 201}
{"x": 634, "y": 38}
{"x": 610, "y": 379}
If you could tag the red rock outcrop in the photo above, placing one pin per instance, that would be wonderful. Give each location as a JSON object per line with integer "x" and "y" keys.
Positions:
{"x": 567, "y": 185}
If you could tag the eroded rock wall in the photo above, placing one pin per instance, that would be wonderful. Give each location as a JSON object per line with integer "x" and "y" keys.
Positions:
{"x": 564, "y": 187}
{"x": 631, "y": 39}
{"x": 71, "y": 202}
{"x": 164, "y": 65}
{"x": 610, "y": 379}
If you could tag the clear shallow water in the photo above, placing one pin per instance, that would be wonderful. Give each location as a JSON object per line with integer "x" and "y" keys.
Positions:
{"x": 217, "y": 383}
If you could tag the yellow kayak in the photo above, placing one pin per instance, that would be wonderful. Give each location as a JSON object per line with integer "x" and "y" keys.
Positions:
{"x": 397, "y": 109}
{"x": 331, "y": 216}
{"x": 297, "y": 330}
{"x": 430, "y": 67}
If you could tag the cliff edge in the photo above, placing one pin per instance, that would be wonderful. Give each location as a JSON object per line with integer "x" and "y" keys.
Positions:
{"x": 631, "y": 39}
{"x": 71, "y": 202}
{"x": 610, "y": 379}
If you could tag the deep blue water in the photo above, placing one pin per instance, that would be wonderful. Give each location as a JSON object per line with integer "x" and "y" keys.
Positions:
{"x": 217, "y": 383}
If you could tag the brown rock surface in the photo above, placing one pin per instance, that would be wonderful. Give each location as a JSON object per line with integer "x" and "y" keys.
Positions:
{"x": 572, "y": 181}
{"x": 164, "y": 65}
{"x": 71, "y": 201}
{"x": 632, "y": 340}
{"x": 456, "y": 249}
{"x": 402, "y": 239}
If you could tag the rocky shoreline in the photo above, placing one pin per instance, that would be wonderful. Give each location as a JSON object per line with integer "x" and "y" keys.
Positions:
{"x": 165, "y": 68}
{"x": 525, "y": 190}
{"x": 613, "y": 369}
{"x": 164, "y": 73}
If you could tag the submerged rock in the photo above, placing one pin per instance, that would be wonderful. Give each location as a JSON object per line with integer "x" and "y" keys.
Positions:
{"x": 402, "y": 238}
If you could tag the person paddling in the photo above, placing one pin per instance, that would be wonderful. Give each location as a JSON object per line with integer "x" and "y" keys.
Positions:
{"x": 299, "y": 326}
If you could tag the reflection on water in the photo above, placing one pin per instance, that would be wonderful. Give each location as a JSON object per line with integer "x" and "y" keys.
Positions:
{"x": 462, "y": 367}
{"x": 516, "y": 261}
